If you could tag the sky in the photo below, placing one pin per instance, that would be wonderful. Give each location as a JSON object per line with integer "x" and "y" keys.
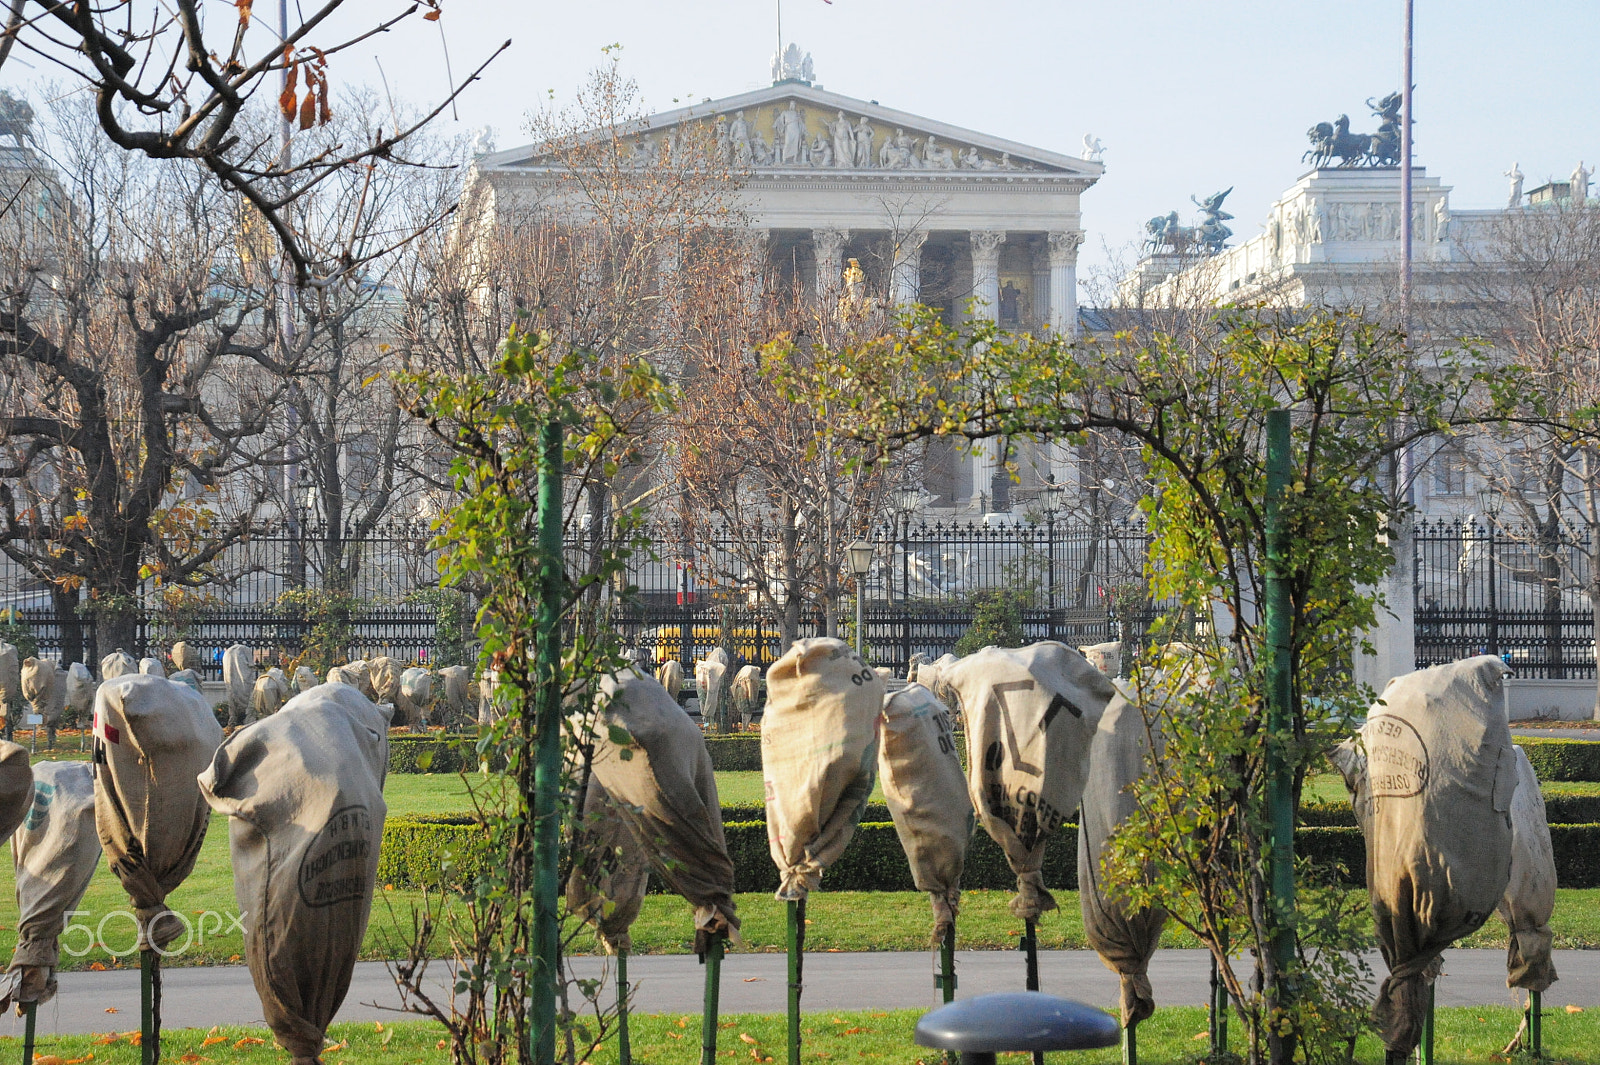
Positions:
{"x": 1189, "y": 97}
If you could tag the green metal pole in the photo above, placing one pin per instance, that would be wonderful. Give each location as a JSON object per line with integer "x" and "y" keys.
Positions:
{"x": 947, "y": 963}
{"x": 1425, "y": 1048}
{"x": 1030, "y": 943}
{"x": 624, "y": 1050}
{"x": 547, "y": 763}
{"x": 708, "y": 1024}
{"x": 149, "y": 1027}
{"x": 1280, "y": 698}
{"x": 27, "y": 1033}
{"x": 797, "y": 949}
{"x": 1535, "y": 1028}
{"x": 1130, "y": 1045}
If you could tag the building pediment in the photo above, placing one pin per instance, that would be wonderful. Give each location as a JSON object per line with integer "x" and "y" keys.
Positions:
{"x": 793, "y": 128}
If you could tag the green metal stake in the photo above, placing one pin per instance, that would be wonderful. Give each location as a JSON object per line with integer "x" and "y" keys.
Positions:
{"x": 1425, "y": 1047}
{"x": 947, "y": 963}
{"x": 149, "y": 1007}
{"x": 27, "y": 1033}
{"x": 1535, "y": 1027}
{"x": 547, "y": 764}
{"x": 624, "y": 1050}
{"x": 1280, "y": 698}
{"x": 708, "y": 1024}
{"x": 1030, "y": 943}
{"x": 797, "y": 949}
{"x": 1130, "y": 1045}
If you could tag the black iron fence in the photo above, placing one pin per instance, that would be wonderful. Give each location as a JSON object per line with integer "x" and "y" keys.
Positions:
{"x": 1508, "y": 590}
{"x": 1502, "y": 590}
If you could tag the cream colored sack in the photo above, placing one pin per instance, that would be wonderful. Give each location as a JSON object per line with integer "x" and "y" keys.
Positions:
{"x": 819, "y": 757}
{"x": 666, "y": 791}
{"x": 270, "y": 693}
{"x": 455, "y": 683}
{"x": 10, "y": 680}
{"x": 184, "y": 657}
{"x": 304, "y": 679}
{"x": 413, "y": 696}
{"x": 385, "y": 676}
{"x": 239, "y": 677}
{"x": 670, "y": 676}
{"x": 151, "y": 738}
{"x": 610, "y": 872}
{"x": 117, "y": 664}
{"x": 711, "y": 684}
{"x": 152, "y": 667}
{"x": 927, "y": 796}
{"x": 16, "y": 786}
{"x": 56, "y": 852}
{"x": 1106, "y": 657}
{"x": 303, "y": 790}
{"x": 1031, "y": 714}
{"x": 189, "y": 679}
{"x": 1441, "y": 774}
{"x": 1118, "y": 757}
{"x": 80, "y": 692}
{"x": 1530, "y": 897}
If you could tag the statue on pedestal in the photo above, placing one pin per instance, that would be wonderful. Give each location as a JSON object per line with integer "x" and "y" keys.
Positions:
{"x": 1578, "y": 190}
{"x": 1515, "y": 174}
{"x": 863, "y": 135}
{"x": 789, "y": 131}
{"x": 937, "y": 158}
{"x": 16, "y": 119}
{"x": 739, "y": 140}
{"x": 1093, "y": 150}
{"x": 843, "y": 141}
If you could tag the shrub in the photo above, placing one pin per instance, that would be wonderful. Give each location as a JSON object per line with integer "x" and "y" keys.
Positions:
{"x": 996, "y": 622}
{"x": 738, "y": 753}
{"x": 432, "y": 753}
{"x": 415, "y": 848}
{"x": 15, "y": 630}
{"x": 1565, "y": 760}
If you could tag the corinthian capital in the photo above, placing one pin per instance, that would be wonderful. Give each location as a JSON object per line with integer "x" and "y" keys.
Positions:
{"x": 829, "y": 243}
{"x": 1064, "y": 248}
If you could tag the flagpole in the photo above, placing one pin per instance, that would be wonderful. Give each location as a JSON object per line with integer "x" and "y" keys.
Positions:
{"x": 1405, "y": 175}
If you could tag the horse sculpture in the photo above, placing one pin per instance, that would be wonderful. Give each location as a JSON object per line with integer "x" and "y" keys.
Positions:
{"x": 16, "y": 119}
{"x": 1210, "y": 235}
{"x": 1330, "y": 141}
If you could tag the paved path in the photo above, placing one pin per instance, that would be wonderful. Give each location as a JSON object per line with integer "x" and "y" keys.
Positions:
{"x": 1584, "y": 734}
{"x": 754, "y": 983}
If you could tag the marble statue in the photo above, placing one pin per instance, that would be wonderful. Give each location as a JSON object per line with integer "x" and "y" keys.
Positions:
{"x": 863, "y": 135}
{"x": 724, "y": 148}
{"x": 789, "y": 133}
{"x": 1005, "y": 162}
{"x": 821, "y": 151}
{"x": 1211, "y": 232}
{"x": 899, "y": 152}
{"x": 16, "y": 119}
{"x": 482, "y": 138}
{"x": 937, "y": 158}
{"x": 761, "y": 152}
{"x": 739, "y": 139}
{"x": 1579, "y": 188}
{"x": 1441, "y": 219}
{"x": 971, "y": 160}
{"x": 1515, "y": 174}
{"x": 1093, "y": 149}
{"x": 1385, "y": 147}
{"x": 791, "y": 65}
{"x": 843, "y": 141}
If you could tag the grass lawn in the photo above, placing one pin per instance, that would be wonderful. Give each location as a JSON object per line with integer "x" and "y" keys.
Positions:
{"x": 1173, "y": 1036}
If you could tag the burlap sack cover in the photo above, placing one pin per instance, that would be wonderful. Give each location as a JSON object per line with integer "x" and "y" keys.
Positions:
{"x": 304, "y": 679}
{"x": 1106, "y": 657}
{"x": 80, "y": 691}
{"x": 184, "y": 657}
{"x": 488, "y": 710}
{"x": 384, "y": 673}
{"x": 710, "y": 683}
{"x": 1118, "y": 756}
{"x": 117, "y": 664}
{"x": 927, "y": 796}
{"x": 666, "y": 792}
{"x": 303, "y": 791}
{"x": 414, "y": 695}
{"x": 271, "y": 691}
{"x": 10, "y": 677}
{"x": 190, "y": 679}
{"x": 1441, "y": 773}
{"x": 610, "y": 872}
{"x": 16, "y": 786}
{"x": 361, "y": 673}
{"x": 1530, "y": 897}
{"x": 239, "y": 677}
{"x": 455, "y": 683}
{"x": 347, "y": 675}
{"x": 56, "y": 853}
{"x": 819, "y": 756}
{"x": 44, "y": 685}
{"x": 152, "y": 737}
{"x": 1031, "y": 714}
{"x": 670, "y": 674}
{"x": 152, "y": 667}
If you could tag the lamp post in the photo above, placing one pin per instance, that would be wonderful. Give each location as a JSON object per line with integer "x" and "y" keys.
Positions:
{"x": 858, "y": 559}
{"x": 1489, "y": 511}
{"x": 1054, "y": 491}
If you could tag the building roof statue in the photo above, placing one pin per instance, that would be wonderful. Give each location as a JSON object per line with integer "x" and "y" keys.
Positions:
{"x": 792, "y": 65}
{"x": 1333, "y": 140}
{"x": 16, "y": 119}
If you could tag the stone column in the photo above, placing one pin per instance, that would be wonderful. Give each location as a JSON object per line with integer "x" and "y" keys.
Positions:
{"x": 754, "y": 244}
{"x": 1064, "y": 281}
{"x": 829, "y": 247}
{"x": 905, "y": 284}
{"x": 989, "y": 476}
{"x": 985, "y": 244}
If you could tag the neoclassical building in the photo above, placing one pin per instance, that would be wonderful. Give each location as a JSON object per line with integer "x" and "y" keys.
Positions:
{"x": 948, "y": 216}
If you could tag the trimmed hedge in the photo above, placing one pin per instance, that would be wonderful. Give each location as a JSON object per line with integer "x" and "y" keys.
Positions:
{"x": 414, "y": 847}
{"x": 1566, "y": 760}
{"x": 432, "y": 753}
{"x": 736, "y": 753}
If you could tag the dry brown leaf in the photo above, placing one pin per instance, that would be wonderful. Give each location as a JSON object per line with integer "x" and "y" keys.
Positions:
{"x": 112, "y": 1009}
{"x": 748, "y": 1038}
{"x": 213, "y": 1040}
{"x": 1574, "y": 1009}
{"x": 96, "y": 967}
{"x": 249, "y": 1041}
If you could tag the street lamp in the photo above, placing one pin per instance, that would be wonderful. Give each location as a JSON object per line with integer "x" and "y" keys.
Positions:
{"x": 858, "y": 559}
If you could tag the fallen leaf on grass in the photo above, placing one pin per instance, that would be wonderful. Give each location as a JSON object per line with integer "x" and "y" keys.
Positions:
{"x": 729, "y": 1024}
{"x": 835, "y": 950}
{"x": 80, "y": 1061}
{"x": 1574, "y": 1009}
{"x": 96, "y": 967}
{"x": 675, "y": 1035}
{"x": 233, "y": 957}
{"x": 343, "y": 1043}
{"x": 191, "y": 1058}
{"x": 441, "y": 1044}
{"x": 683, "y": 1022}
{"x": 378, "y": 1025}
{"x": 249, "y": 1041}
{"x": 105, "y": 1040}
{"x": 1202, "y": 1035}
{"x": 213, "y": 1040}
{"x": 855, "y": 1031}
{"x": 48, "y": 1059}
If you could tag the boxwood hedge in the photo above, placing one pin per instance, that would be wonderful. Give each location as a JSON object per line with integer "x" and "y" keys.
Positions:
{"x": 1565, "y": 760}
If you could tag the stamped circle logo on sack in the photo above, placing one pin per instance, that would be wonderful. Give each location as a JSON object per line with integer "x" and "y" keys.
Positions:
{"x": 334, "y": 867}
{"x": 1397, "y": 759}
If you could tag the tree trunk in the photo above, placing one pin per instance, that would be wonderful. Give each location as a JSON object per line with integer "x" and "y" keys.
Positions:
{"x": 71, "y": 625}
{"x": 116, "y": 628}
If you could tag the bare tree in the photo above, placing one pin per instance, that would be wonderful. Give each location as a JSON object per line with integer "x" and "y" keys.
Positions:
{"x": 171, "y": 84}
{"x": 1533, "y": 288}
{"x": 137, "y": 392}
